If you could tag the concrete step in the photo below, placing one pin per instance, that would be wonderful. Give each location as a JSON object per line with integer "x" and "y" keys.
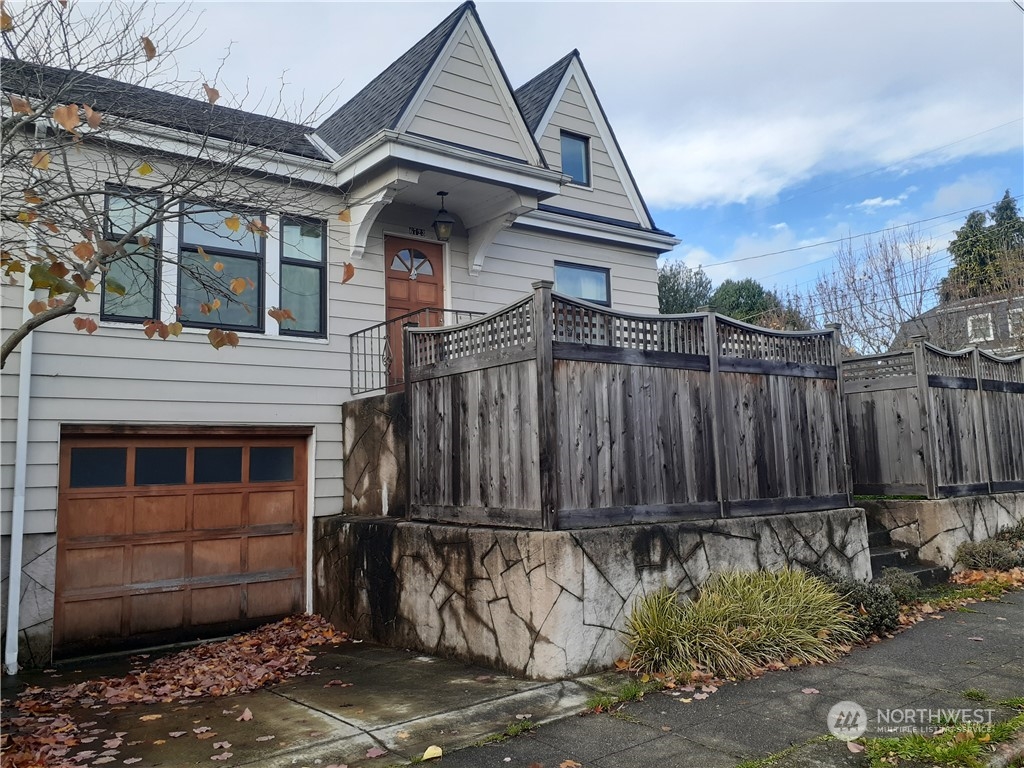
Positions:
{"x": 930, "y": 575}
{"x": 878, "y": 537}
{"x": 889, "y": 557}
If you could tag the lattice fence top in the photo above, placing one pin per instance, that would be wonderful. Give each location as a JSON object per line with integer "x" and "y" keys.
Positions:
{"x": 508, "y": 327}
{"x": 582, "y": 323}
{"x": 737, "y": 339}
{"x": 879, "y": 366}
{"x": 938, "y": 362}
{"x": 1001, "y": 368}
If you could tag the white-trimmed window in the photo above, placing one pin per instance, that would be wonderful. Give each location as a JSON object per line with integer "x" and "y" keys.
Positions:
{"x": 131, "y": 286}
{"x": 582, "y": 281}
{"x": 576, "y": 158}
{"x": 979, "y": 328}
{"x": 304, "y": 276}
{"x": 1015, "y": 318}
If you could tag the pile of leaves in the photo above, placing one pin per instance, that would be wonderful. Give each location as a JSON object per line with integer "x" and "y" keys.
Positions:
{"x": 43, "y": 731}
{"x": 1003, "y": 580}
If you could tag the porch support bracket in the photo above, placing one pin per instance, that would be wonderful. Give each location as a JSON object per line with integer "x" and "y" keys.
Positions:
{"x": 370, "y": 201}
{"x": 483, "y": 231}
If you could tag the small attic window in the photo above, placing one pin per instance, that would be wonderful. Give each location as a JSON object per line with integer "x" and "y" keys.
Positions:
{"x": 576, "y": 158}
{"x": 979, "y": 328}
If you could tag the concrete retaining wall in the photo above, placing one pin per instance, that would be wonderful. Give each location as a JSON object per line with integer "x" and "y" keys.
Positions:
{"x": 547, "y": 604}
{"x": 376, "y": 436}
{"x": 35, "y": 616}
{"x": 935, "y": 528}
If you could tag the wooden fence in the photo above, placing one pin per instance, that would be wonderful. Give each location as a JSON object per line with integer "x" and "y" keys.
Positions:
{"x": 935, "y": 423}
{"x": 554, "y": 413}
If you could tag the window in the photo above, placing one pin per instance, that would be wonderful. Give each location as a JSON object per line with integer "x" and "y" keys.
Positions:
{"x": 576, "y": 158}
{"x": 979, "y": 328}
{"x": 131, "y": 287}
{"x": 1015, "y": 319}
{"x": 584, "y": 282}
{"x": 303, "y": 283}
{"x": 216, "y": 248}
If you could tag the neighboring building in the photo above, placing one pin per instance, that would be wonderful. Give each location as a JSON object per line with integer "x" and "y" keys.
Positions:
{"x": 995, "y": 324}
{"x": 169, "y": 488}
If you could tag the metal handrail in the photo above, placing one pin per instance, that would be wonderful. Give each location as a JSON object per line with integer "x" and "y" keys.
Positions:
{"x": 372, "y": 356}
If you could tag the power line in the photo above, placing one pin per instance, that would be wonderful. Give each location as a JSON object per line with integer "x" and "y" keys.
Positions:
{"x": 850, "y": 237}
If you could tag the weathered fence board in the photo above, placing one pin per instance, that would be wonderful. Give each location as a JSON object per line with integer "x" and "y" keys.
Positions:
{"x": 935, "y": 423}
{"x": 555, "y": 413}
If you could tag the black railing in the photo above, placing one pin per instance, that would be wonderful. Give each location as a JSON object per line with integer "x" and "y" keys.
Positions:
{"x": 376, "y": 352}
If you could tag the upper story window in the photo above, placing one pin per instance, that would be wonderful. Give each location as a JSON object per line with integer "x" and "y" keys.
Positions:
{"x": 217, "y": 248}
{"x": 303, "y": 276}
{"x": 583, "y": 281}
{"x": 576, "y": 158}
{"x": 1015, "y": 320}
{"x": 979, "y": 328}
{"x": 131, "y": 286}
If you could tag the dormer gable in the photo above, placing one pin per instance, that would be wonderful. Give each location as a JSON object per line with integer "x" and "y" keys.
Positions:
{"x": 560, "y": 104}
{"x": 449, "y": 87}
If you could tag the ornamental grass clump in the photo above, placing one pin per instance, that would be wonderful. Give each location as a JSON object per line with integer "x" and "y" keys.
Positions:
{"x": 740, "y": 623}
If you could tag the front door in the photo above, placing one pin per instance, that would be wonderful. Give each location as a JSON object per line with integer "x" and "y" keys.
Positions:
{"x": 414, "y": 282}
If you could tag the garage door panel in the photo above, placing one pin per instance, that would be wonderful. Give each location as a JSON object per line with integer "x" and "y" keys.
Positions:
{"x": 214, "y": 557}
{"x": 271, "y": 553}
{"x": 215, "y": 605}
{"x": 158, "y": 562}
{"x": 157, "y": 611}
{"x": 88, "y": 619}
{"x": 271, "y": 507}
{"x": 94, "y": 568}
{"x": 102, "y": 516}
{"x": 217, "y": 510}
{"x": 272, "y": 598}
{"x": 160, "y": 514}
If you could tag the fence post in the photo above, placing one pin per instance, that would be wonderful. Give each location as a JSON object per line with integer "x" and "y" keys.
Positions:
{"x": 543, "y": 333}
{"x": 717, "y": 419}
{"x": 981, "y": 423}
{"x": 410, "y": 447}
{"x": 924, "y": 401}
{"x": 844, "y": 432}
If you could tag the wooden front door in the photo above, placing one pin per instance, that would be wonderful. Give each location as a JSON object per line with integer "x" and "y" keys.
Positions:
{"x": 163, "y": 538}
{"x": 414, "y": 281}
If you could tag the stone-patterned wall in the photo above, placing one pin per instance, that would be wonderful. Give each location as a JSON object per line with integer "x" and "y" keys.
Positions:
{"x": 376, "y": 435}
{"x": 935, "y": 528}
{"x": 547, "y": 604}
{"x": 35, "y": 618}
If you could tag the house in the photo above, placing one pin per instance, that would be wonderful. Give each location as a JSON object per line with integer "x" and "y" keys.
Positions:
{"x": 158, "y": 490}
{"x": 993, "y": 323}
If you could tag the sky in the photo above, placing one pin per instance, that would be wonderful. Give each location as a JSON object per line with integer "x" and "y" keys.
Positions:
{"x": 759, "y": 133}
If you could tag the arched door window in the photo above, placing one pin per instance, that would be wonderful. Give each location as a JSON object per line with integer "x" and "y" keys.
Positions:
{"x": 414, "y": 262}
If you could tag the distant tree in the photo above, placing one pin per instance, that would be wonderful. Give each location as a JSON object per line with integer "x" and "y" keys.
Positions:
{"x": 873, "y": 289}
{"x": 986, "y": 256}
{"x": 682, "y": 289}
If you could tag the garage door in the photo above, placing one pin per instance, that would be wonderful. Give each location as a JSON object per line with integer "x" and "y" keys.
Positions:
{"x": 168, "y": 537}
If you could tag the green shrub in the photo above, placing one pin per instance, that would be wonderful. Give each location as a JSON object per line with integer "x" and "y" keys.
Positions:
{"x": 906, "y": 587}
{"x": 739, "y": 622}
{"x": 875, "y": 607}
{"x": 990, "y": 553}
{"x": 1014, "y": 536}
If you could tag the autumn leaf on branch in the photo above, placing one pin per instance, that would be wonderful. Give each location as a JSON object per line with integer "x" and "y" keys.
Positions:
{"x": 92, "y": 117}
{"x": 19, "y": 104}
{"x": 219, "y": 338}
{"x": 86, "y": 324}
{"x": 67, "y": 117}
{"x": 280, "y": 314}
{"x": 41, "y": 161}
{"x": 238, "y": 285}
{"x": 212, "y": 94}
{"x": 148, "y": 48}
{"x": 145, "y": 169}
{"x": 348, "y": 273}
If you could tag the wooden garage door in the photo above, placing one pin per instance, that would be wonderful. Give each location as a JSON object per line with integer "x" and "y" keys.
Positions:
{"x": 163, "y": 538}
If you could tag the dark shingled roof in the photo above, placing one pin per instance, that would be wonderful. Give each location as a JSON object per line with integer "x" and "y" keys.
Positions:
{"x": 37, "y": 81}
{"x": 381, "y": 103}
{"x": 534, "y": 96}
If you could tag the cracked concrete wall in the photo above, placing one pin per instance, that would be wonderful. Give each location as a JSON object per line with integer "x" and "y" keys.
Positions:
{"x": 376, "y": 435}
{"x": 35, "y": 616}
{"x": 936, "y": 527}
{"x": 548, "y": 604}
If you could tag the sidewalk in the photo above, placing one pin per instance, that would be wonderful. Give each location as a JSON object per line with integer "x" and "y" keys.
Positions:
{"x": 371, "y": 699}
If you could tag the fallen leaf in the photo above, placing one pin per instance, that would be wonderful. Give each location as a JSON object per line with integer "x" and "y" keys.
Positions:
{"x": 245, "y": 716}
{"x": 810, "y": 690}
{"x": 176, "y": 734}
{"x": 376, "y": 752}
{"x": 103, "y": 760}
{"x": 210, "y": 735}
{"x": 222, "y": 745}
{"x": 570, "y": 764}
{"x": 337, "y": 684}
{"x": 432, "y": 752}
{"x": 146, "y": 718}
{"x": 265, "y": 738}
{"x": 666, "y": 728}
{"x": 222, "y": 756}
{"x": 854, "y": 747}
{"x": 976, "y": 639}
{"x": 524, "y": 716}
{"x": 700, "y": 696}
{"x": 132, "y": 760}
{"x": 158, "y": 742}
{"x": 202, "y": 729}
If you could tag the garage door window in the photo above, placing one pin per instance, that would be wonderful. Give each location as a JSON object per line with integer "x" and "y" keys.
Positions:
{"x": 98, "y": 467}
{"x": 160, "y": 466}
{"x": 271, "y": 465}
{"x": 219, "y": 465}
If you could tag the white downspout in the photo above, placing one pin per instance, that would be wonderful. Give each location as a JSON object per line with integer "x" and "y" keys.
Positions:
{"x": 12, "y": 631}
{"x": 18, "y": 509}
